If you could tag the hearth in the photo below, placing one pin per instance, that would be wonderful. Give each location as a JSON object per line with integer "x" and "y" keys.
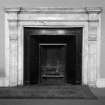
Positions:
{"x": 52, "y": 55}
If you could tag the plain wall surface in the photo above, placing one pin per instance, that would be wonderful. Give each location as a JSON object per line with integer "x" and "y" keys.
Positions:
{"x": 50, "y": 3}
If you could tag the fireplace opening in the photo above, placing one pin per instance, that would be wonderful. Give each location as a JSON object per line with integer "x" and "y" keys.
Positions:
{"x": 52, "y": 56}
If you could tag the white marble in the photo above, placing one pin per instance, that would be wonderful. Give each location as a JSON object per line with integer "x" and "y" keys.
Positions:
{"x": 13, "y": 64}
{"x": 18, "y": 18}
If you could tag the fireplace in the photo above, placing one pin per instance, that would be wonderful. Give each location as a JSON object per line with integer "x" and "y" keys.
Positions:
{"x": 70, "y": 36}
{"x": 52, "y": 55}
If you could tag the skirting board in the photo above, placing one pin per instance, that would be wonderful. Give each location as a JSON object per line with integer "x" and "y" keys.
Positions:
{"x": 101, "y": 83}
{"x": 4, "y": 82}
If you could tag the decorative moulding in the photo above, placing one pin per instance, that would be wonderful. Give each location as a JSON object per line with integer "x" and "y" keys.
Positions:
{"x": 62, "y": 10}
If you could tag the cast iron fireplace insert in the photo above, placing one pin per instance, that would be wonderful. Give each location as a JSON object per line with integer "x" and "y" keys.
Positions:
{"x": 52, "y": 55}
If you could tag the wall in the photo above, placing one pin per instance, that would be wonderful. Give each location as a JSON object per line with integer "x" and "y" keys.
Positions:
{"x": 50, "y": 3}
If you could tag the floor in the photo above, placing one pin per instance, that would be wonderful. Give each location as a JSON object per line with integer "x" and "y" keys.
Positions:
{"x": 100, "y": 93}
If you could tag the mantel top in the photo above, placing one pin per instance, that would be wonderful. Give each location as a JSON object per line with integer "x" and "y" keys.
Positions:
{"x": 54, "y": 10}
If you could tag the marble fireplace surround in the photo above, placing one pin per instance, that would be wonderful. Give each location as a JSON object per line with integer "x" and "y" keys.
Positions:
{"x": 18, "y": 18}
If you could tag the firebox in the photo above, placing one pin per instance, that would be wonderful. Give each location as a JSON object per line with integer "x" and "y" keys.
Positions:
{"x": 52, "y": 55}
{"x": 52, "y": 63}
